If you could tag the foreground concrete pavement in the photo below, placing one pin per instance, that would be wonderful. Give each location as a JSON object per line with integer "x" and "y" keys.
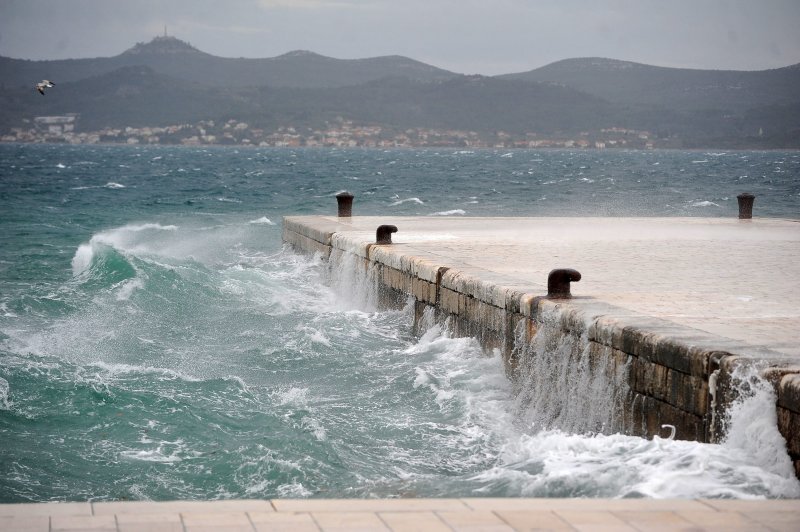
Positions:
{"x": 401, "y": 515}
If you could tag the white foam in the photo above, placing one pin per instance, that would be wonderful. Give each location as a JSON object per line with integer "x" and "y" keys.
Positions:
{"x": 147, "y": 227}
{"x": 262, "y": 221}
{"x": 132, "y": 238}
{"x": 82, "y": 259}
{"x": 153, "y": 455}
{"x": 293, "y": 396}
{"x": 313, "y": 426}
{"x": 128, "y": 287}
{"x": 704, "y": 204}
{"x": 315, "y": 335}
{"x": 115, "y": 370}
{"x": 111, "y": 184}
{"x": 123, "y": 238}
{"x": 5, "y": 403}
{"x": 407, "y": 200}
{"x": 293, "y": 490}
{"x": 752, "y": 423}
{"x": 453, "y": 212}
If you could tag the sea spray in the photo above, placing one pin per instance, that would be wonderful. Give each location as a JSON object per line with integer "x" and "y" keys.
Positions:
{"x": 562, "y": 384}
{"x": 559, "y": 427}
{"x": 750, "y": 423}
{"x": 354, "y": 281}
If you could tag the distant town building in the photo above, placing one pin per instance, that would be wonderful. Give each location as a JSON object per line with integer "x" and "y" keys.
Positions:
{"x": 55, "y": 125}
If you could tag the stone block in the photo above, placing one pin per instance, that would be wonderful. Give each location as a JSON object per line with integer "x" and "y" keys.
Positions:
{"x": 648, "y": 414}
{"x": 688, "y": 393}
{"x": 469, "y": 308}
{"x": 667, "y": 351}
{"x": 613, "y": 359}
{"x": 649, "y": 379}
{"x": 452, "y": 279}
{"x": 607, "y": 331}
{"x": 396, "y": 279}
{"x": 306, "y": 245}
{"x": 789, "y": 392}
{"x": 789, "y": 427}
{"x": 527, "y": 303}
{"x": 685, "y": 392}
{"x": 426, "y": 270}
{"x": 448, "y": 300}
{"x": 423, "y": 290}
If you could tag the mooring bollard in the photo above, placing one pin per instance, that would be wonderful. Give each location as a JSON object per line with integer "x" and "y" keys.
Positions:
{"x": 345, "y": 202}
{"x": 745, "y": 205}
{"x": 558, "y": 282}
{"x": 384, "y": 234}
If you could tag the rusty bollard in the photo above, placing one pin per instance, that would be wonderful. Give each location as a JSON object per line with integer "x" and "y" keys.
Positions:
{"x": 745, "y": 205}
{"x": 558, "y": 282}
{"x": 384, "y": 234}
{"x": 345, "y": 202}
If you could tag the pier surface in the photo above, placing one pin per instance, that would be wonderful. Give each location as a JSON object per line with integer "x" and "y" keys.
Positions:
{"x": 405, "y": 515}
{"x": 735, "y": 279}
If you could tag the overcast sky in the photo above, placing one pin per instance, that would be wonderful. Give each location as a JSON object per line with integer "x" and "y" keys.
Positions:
{"x": 467, "y": 36}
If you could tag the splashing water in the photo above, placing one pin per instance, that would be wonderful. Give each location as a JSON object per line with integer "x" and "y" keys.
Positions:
{"x": 561, "y": 384}
{"x": 158, "y": 342}
{"x": 555, "y": 430}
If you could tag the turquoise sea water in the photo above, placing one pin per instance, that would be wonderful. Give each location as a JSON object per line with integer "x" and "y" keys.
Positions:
{"x": 158, "y": 342}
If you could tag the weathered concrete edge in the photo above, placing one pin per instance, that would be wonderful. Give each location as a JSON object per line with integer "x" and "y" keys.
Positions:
{"x": 683, "y": 350}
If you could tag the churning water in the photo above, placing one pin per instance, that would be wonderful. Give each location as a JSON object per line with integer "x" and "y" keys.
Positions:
{"x": 158, "y": 342}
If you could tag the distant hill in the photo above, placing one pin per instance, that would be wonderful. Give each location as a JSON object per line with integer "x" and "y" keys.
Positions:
{"x": 635, "y": 84}
{"x": 168, "y": 82}
{"x": 139, "y": 96}
{"x": 172, "y": 57}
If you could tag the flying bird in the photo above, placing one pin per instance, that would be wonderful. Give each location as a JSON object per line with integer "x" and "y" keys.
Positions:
{"x": 44, "y": 84}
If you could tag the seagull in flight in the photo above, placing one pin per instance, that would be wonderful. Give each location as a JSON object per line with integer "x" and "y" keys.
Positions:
{"x": 44, "y": 84}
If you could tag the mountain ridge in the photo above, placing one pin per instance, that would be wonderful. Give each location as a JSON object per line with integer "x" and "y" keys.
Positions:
{"x": 168, "y": 81}
{"x": 172, "y": 56}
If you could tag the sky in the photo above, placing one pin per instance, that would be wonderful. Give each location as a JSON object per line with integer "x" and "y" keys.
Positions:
{"x": 486, "y": 37}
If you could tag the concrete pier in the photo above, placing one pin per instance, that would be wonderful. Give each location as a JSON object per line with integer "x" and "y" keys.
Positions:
{"x": 683, "y": 301}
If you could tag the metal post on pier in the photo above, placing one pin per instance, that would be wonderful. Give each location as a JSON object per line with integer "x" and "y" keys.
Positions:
{"x": 345, "y": 204}
{"x": 746, "y": 205}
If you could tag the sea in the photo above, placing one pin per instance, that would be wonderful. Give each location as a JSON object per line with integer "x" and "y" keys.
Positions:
{"x": 158, "y": 341}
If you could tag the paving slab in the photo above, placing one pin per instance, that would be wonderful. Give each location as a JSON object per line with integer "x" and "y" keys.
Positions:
{"x": 533, "y": 520}
{"x": 99, "y": 523}
{"x": 283, "y": 522}
{"x": 475, "y": 520}
{"x": 46, "y": 508}
{"x": 22, "y": 523}
{"x": 159, "y": 507}
{"x": 414, "y": 522}
{"x": 161, "y": 522}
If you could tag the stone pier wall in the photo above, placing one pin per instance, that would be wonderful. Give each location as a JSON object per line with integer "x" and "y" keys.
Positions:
{"x": 676, "y": 376}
